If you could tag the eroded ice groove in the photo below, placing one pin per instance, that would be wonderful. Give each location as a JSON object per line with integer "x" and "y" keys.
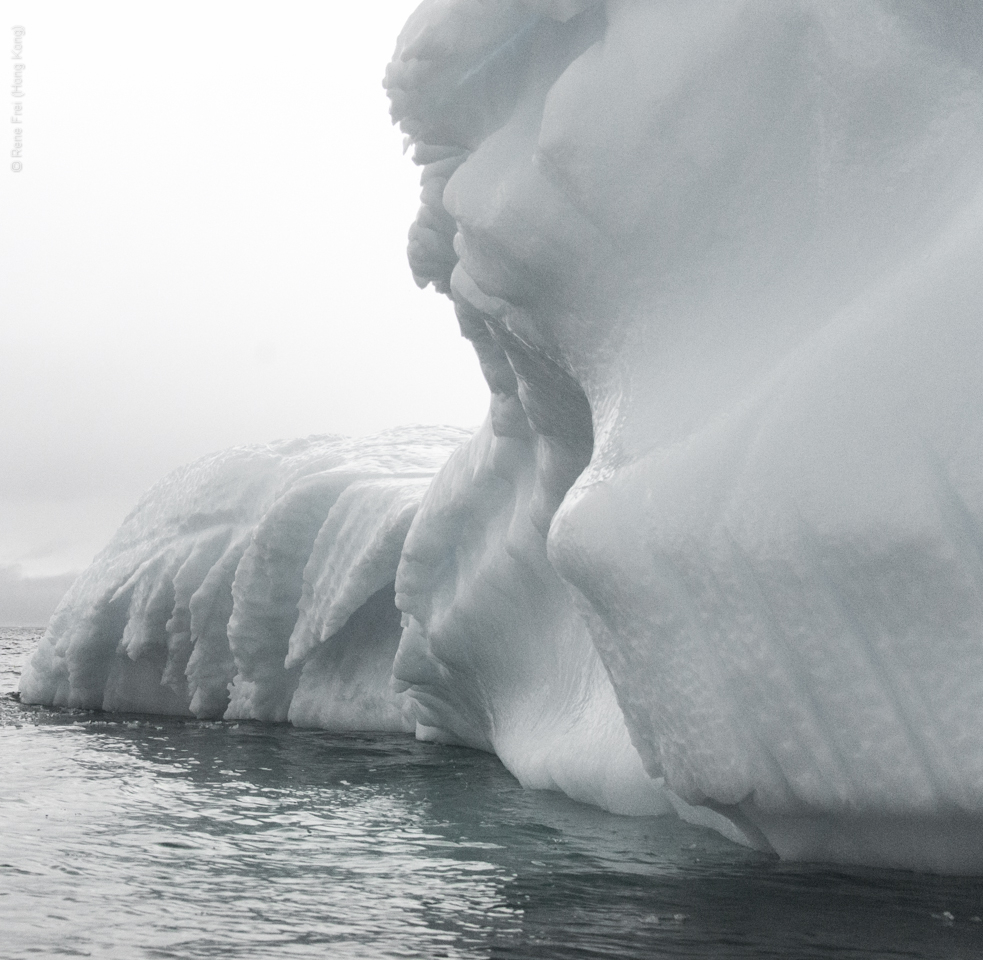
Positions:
{"x": 254, "y": 583}
{"x": 722, "y": 263}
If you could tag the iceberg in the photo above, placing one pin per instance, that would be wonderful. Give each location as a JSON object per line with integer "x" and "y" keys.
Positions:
{"x": 256, "y": 583}
{"x": 718, "y": 546}
{"x": 260, "y": 583}
{"x": 722, "y": 265}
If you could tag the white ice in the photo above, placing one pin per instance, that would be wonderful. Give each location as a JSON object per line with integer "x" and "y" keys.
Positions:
{"x": 719, "y": 544}
{"x": 722, "y": 264}
{"x": 255, "y": 583}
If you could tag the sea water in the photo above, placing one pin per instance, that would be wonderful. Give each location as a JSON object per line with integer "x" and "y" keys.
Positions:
{"x": 140, "y": 836}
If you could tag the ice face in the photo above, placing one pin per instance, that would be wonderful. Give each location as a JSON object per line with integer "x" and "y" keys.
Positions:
{"x": 721, "y": 264}
{"x": 493, "y": 653}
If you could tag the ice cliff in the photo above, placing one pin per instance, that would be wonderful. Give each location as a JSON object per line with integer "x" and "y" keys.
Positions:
{"x": 720, "y": 540}
{"x": 723, "y": 265}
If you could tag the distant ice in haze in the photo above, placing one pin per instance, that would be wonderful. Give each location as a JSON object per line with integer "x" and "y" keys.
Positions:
{"x": 719, "y": 544}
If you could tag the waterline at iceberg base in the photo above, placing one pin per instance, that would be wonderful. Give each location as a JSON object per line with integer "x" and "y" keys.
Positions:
{"x": 718, "y": 547}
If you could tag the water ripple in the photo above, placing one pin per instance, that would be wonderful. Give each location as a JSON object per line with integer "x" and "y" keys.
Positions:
{"x": 142, "y": 837}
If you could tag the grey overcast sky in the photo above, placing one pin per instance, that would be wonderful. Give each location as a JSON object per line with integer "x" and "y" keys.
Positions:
{"x": 205, "y": 247}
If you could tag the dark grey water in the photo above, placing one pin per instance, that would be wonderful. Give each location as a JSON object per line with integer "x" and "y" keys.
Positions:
{"x": 139, "y": 837}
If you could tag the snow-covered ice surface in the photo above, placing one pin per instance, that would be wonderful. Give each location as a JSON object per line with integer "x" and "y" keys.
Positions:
{"x": 719, "y": 545}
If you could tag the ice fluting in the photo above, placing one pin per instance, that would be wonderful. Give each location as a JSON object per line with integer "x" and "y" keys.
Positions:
{"x": 256, "y": 583}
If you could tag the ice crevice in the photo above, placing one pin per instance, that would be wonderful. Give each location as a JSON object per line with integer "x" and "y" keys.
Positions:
{"x": 716, "y": 549}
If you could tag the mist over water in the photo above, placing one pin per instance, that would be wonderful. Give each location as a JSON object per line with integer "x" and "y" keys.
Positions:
{"x": 136, "y": 836}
